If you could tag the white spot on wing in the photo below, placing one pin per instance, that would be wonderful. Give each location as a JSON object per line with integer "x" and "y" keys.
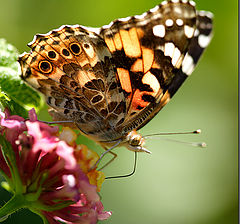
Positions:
{"x": 188, "y": 31}
{"x": 159, "y": 30}
{"x": 107, "y": 26}
{"x": 196, "y": 33}
{"x": 124, "y": 19}
{"x": 140, "y": 16}
{"x": 155, "y": 9}
{"x": 164, "y": 3}
{"x": 179, "y": 22}
{"x": 22, "y": 55}
{"x": 142, "y": 22}
{"x": 188, "y": 65}
{"x": 205, "y": 13}
{"x": 92, "y": 29}
{"x": 169, "y": 22}
{"x": 169, "y": 49}
{"x": 192, "y": 3}
{"x": 33, "y": 41}
{"x": 203, "y": 40}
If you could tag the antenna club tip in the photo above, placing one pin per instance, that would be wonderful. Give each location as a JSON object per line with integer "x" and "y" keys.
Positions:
{"x": 198, "y": 131}
{"x": 203, "y": 144}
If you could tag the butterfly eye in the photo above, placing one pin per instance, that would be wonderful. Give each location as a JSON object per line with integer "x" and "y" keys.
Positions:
{"x": 75, "y": 48}
{"x": 45, "y": 66}
{"x": 52, "y": 54}
{"x": 135, "y": 140}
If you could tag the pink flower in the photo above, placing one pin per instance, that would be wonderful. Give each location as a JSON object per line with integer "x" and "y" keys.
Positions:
{"x": 54, "y": 175}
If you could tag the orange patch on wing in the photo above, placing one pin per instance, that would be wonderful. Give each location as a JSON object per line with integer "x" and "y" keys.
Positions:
{"x": 124, "y": 78}
{"x": 118, "y": 42}
{"x": 110, "y": 44}
{"x": 138, "y": 101}
{"x": 131, "y": 43}
{"x": 137, "y": 66}
{"x": 140, "y": 33}
{"x": 148, "y": 56}
{"x": 152, "y": 81}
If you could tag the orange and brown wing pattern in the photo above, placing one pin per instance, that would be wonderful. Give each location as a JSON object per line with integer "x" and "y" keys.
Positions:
{"x": 114, "y": 79}
{"x": 72, "y": 67}
{"x": 149, "y": 52}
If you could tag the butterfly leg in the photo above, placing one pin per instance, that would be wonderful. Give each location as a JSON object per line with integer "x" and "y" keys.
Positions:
{"x": 57, "y": 122}
{"x": 110, "y": 161}
{"x": 104, "y": 153}
{"x": 68, "y": 122}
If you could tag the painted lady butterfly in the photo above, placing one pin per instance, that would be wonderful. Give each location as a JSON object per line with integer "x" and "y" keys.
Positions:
{"x": 113, "y": 80}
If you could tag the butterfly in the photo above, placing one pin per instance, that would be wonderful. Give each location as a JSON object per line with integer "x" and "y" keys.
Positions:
{"x": 113, "y": 80}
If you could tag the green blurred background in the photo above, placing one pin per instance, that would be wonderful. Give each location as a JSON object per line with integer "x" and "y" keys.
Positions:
{"x": 177, "y": 184}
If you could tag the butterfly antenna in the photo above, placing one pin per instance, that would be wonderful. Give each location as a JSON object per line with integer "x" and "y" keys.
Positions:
{"x": 126, "y": 175}
{"x": 198, "y": 131}
{"x": 197, "y": 144}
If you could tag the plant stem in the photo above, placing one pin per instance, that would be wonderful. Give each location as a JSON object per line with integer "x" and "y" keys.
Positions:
{"x": 15, "y": 203}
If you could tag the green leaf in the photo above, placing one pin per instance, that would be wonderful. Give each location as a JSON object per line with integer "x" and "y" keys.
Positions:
{"x": 21, "y": 97}
{"x": 6, "y": 102}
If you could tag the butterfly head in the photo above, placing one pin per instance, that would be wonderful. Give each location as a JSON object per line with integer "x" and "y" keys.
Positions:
{"x": 135, "y": 142}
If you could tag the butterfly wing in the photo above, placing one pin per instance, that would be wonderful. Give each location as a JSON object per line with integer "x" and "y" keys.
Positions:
{"x": 71, "y": 66}
{"x": 154, "y": 53}
{"x": 112, "y": 80}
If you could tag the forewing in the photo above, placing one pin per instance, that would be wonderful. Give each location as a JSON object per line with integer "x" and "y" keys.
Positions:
{"x": 154, "y": 53}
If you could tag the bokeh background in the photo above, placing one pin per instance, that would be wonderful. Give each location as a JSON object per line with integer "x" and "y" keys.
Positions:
{"x": 178, "y": 183}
